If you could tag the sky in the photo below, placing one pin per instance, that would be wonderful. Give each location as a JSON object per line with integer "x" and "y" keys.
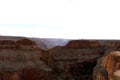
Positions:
{"x": 71, "y": 19}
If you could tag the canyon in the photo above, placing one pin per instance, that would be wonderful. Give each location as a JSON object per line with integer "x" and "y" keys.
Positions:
{"x": 23, "y": 58}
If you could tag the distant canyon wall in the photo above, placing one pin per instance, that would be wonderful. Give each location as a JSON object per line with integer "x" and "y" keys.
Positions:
{"x": 22, "y": 43}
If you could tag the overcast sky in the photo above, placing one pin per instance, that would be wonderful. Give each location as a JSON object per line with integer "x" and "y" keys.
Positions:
{"x": 79, "y": 19}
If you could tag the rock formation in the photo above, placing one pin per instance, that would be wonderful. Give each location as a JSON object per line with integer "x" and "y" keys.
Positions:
{"x": 75, "y": 60}
{"x": 26, "y": 43}
{"x": 84, "y": 44}
{"x": 108, "y": 67}
{"x": 20, "y": 61}
{"x": 7, "y": 44}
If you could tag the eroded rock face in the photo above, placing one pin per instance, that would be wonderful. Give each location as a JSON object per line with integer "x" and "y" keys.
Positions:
{"x": 76, "y": 44}
{"x": 20, "y": 60}
{"x": 7, "y": 44}
{"x": 110, "y": 65}
{"x": 26, "y": 43}
{"x": 19, "y": 44}
{"x": 23, "y": 60}
{"x": 116, "y": 75}
{"x": 74, "y": 62}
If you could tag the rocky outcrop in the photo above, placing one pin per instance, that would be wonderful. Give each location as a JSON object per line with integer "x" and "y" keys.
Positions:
{"x": 20, "y": 60}
{"x": 76, "y": 44}
{"x": 74, "y": 62}
{"x": 19, "y": 44}
{"x": 26, "y": 43}
{"x": 108, "y": 67}
{"x": 116, "y": 75}
{"x": 80, "y": 56}
{"x": 7, "y": 44}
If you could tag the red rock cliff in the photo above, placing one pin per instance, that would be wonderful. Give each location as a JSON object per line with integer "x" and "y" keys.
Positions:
{"x": 76, "y": 44}
{"x": 108, "y": 67}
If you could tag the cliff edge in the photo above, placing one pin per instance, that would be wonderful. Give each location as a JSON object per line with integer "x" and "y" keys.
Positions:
{"x": 108, "y": 67}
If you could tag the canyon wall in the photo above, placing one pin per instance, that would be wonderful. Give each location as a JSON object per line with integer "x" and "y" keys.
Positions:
{"x": 108, "y": 67}
{"x": 22, "y": 59}
{"x": 74, "y": 61}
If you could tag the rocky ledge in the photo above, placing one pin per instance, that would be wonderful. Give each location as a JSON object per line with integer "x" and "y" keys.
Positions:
{"x": 108, "y": 67}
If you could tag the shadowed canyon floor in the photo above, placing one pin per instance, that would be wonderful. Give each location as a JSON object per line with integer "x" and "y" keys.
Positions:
{"x": 23, "y": 58}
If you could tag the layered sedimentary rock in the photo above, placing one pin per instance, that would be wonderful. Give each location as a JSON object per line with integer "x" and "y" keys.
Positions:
{"x": 108, "y": 67}
{"x": 79, "y": 58}
{"x": 7, "y": 44}
{"x": 20, "y": 60}
{"x": 19, "y": 44}
{"x": 84, "y": 44}
{"x": 74, "y": 62}
{"x": 26, "y": 43}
